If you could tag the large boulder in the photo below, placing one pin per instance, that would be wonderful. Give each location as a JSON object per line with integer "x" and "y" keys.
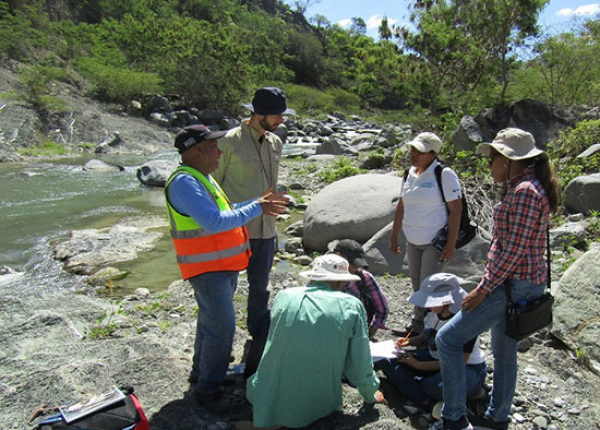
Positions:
{"x": 545, "y": 122}
{"x": 576, "y": 307}
{"x": 583, "y": 194}
{"x": 89, "y": 250}
{"x": 468, "y": 261}
{"x": 354, "y": 208}
{"x": 156, "y": 172}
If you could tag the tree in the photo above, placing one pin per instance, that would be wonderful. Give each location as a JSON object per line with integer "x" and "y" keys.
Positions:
{"x": 358, "y": 26}
{"x": 468, "y": 43}
{"x": 303, "y": 5}
{"x": 384, "y": 30}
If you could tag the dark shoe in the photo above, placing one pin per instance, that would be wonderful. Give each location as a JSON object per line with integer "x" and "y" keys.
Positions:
{"x": 214, "y": 403}
{"x": 445, "y": 424}
{"x": 229, "y": 380}
{"x": 483, "y": 423}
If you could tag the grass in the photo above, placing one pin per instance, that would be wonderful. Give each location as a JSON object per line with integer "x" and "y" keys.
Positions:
{"x": 44, "y": 149}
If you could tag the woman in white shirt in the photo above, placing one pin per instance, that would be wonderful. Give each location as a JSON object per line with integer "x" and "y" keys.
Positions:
{"x": 421, "y": 212}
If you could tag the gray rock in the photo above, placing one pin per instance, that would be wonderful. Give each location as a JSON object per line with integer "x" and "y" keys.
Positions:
{"x": 583, "y": 194}
{"x": 160, "y": 119}
{"x": 101, "y": 166}
{"x": 468, "y": 135}
{"x": 331, "y": 147}
{"x": 590, "y": 151}
{"x": 156, "y": 172}
{"x": 568, "y": 234}
{"x": 303, "y": 260}
{"x": 577, "y": 300}
{"x": 468, "y": 261}
{"x": 332, "y": 215}
{"x": 293, "y": 245}
{"x": 296, "y": 229}
{"x": 88, "y": 250}
{"x": 540, "y": 422}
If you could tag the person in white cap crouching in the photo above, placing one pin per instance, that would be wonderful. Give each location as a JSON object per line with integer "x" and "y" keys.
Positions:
{"x": 318, "y": 334}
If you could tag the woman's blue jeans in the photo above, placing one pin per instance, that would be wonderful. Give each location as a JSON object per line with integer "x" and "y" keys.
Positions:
{"x": 215, "y": 327}
{"x": 490, "y": 314}
{"x": 421, "y": 386}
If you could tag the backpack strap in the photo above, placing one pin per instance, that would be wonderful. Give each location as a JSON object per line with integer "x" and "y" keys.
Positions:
{"x": 438, "y": 176}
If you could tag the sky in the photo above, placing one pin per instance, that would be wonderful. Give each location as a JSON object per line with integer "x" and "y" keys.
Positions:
{"x": 557, "y": 16}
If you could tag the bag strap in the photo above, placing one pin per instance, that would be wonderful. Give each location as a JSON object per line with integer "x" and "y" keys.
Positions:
{"x": 548, "y": 262}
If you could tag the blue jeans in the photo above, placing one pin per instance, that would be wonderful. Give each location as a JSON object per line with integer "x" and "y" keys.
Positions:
{"x": 214, "y": 329}
{"x": 490, "y": 314}
{"x": 421, "y": 386}
{"x": 259, "y": 267}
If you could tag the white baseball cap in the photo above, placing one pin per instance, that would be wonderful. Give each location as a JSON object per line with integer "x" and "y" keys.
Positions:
{"x": 329, "y": 267}
{"x": 426, "y": 142}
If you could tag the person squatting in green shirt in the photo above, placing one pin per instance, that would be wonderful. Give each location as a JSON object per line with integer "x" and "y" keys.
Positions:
{"x": 318, "y": 335}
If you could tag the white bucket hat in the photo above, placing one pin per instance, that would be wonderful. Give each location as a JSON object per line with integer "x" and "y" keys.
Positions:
{"x": 426, "y": 142}
{"x": 439, "y": 289}
{"x": 513, "y": 143}
{"x": 329, "y": 267}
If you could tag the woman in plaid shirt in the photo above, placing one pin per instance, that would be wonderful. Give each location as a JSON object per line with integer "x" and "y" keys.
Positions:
{"x": 515, "y": 258}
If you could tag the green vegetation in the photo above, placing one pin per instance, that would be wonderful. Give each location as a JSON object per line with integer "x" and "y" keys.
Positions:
{"x": 455, "y": 57}
{"x": 44, "y": 149}
{"x": 342, "y": 167}
{"x": 571, "y": 143}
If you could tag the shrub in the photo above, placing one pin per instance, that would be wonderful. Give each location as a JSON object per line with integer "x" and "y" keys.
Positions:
{"x": 118, "y": 84}
{"x": 571, "y": 143}
{"x": 341, "y": 168}
{"x": 44, "y": 149}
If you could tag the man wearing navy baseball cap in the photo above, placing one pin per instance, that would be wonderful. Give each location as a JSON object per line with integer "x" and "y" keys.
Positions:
{"x": 249, "y": 166}
{"x": 212, "y": 246}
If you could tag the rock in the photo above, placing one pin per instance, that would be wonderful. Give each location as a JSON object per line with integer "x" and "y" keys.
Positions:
{"x": 577, "y": 299}
{"x": 303, "y": 260}
{"x": 156, "y": 172}
{"x": 101, "y": 166}
{"x": 540, "y": 422}
{"x": 583, "y": 194}
{"x": 568, "y": 234}
{"x": 141, "y": 292}
{"x": 87, "y": 250}
{"x": 332, "y": 147}
{"x": 296, "y": 229}
{"x": 159, "y": 104}
{"x": 293, "y": 245}
{"x": 332, "y": 215}
{"x": 590, "y": 151}
{"x": 106, "y": 275}
{"x": 467, "y": 135}
{"x": 160, "y": 119}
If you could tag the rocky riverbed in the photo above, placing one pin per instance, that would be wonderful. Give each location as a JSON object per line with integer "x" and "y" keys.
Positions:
{"x": 55, "y": 348}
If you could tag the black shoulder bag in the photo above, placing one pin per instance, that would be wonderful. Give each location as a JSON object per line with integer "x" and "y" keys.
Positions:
{"x": 523, "y": 320}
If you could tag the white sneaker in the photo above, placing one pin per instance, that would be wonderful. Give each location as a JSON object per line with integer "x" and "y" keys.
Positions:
{"x": 436, "y": 412}
{"x": 442, "y": 424}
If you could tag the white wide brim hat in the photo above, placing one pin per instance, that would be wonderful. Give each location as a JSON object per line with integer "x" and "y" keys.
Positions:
{"x": 439, "y": 289}
{"x": 513, "y": 143}
{"x": 329, "y": 267}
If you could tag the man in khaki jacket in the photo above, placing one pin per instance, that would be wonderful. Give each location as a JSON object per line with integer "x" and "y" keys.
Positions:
{"x": 249, "y": 166}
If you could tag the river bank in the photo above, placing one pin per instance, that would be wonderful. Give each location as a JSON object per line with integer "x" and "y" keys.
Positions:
{"x": 57, "y": 347}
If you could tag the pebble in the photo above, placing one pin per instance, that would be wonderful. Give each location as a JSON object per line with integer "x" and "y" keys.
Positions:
{"x": 412, "y": 410}
{"x": 540, "y": 422}
{"x": 573, "y": 411}
{"x": 559, "y": 402}
{"x": 423, "y": 421}
{"x": 530, "y": 370}
{"x": 519, "y": 418}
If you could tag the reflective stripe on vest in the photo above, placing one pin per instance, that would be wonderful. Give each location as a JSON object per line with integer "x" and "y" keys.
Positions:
{"x": 199, "y": 251}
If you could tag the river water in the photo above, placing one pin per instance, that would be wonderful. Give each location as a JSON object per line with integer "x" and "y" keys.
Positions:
{"x": 42, "y": 201}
